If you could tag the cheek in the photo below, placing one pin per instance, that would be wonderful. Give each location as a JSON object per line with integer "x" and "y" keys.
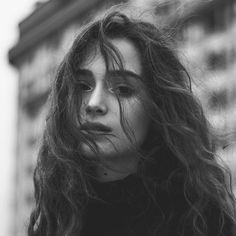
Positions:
{"x": 137, "y": 120}
{"x": 82, "y": 108}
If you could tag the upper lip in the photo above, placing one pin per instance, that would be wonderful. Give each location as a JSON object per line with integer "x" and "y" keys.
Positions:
{"x": 94, "y": 126}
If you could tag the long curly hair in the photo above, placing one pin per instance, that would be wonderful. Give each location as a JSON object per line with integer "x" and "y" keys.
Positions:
{"x": 180, "y": 141}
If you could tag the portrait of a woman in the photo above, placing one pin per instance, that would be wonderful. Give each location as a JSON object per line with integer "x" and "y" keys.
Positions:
{"x": 127, "y": 149}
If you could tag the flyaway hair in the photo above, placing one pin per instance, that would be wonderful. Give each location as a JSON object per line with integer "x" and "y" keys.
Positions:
{"x": 179, "y": 150}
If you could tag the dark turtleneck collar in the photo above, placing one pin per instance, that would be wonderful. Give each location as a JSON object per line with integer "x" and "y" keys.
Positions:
{"x": 121, "y": 190}
{"x": 123, "y": 208}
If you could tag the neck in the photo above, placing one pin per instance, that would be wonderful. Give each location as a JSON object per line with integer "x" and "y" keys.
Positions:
{"x": 113, "y": 170}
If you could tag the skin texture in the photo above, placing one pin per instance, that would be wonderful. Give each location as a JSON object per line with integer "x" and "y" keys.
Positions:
{"x": 100, "y": 89}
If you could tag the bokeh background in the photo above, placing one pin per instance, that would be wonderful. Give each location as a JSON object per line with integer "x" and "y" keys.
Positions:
{"x": 35, "y": 37}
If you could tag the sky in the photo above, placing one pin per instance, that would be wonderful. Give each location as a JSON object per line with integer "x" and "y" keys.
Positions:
{"x": 11, "y": 13}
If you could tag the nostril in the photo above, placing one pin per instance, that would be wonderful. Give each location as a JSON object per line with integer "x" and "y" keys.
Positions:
{"x": 88, "y": 109}
{"x": 94, "y": 110}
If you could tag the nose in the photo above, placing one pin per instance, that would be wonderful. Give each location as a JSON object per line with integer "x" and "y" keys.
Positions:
{"x": 96, "y": 104}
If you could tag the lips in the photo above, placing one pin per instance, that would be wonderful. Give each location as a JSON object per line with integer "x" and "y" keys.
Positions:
{"x": 95, "y": 127}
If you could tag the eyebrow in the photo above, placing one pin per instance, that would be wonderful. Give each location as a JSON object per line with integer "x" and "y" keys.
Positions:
{"x": 125, "y": 73}
{"x": 85, "y": 72}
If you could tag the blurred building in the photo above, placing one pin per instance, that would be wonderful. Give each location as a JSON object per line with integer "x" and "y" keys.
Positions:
{"x": 207, "y": 47}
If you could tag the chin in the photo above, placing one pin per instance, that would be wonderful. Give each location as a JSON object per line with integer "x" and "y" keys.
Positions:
{"x": 108, "y": 152}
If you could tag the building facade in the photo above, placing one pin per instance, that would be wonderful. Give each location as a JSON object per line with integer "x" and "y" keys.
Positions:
{"x": 207, "y": 46}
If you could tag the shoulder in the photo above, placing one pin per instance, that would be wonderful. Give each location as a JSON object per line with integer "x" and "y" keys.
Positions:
{"x": 171, "y": 197}
{"x": 217, "y": 221}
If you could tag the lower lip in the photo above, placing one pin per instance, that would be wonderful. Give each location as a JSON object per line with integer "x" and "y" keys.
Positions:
{"x": 95, "y": 133}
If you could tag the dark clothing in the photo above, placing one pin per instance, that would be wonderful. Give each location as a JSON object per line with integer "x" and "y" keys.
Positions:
{"x": 125, "y": 209}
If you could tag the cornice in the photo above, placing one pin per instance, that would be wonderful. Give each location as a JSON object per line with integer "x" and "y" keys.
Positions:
{"x": 50, "y": 18}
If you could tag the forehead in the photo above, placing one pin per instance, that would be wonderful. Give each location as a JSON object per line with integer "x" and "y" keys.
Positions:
{"x": 128, "y": 52}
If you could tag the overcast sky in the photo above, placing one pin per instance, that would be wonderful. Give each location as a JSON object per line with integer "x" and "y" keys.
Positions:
{"x": 11, "y": 13}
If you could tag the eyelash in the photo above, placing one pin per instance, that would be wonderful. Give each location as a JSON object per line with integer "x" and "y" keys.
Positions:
{"x": 120, "y": 90}
{"x": 85, "y": 87}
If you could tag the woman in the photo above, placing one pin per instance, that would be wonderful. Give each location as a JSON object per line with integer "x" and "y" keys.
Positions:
{"x": 127, "y": 149}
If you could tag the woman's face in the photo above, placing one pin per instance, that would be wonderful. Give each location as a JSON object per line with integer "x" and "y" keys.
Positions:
{"x": 100, "y": 110}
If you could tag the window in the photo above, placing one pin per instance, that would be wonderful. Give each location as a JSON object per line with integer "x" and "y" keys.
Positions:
{"x": 217, "y": 60}
{"x": 218, "y": 99}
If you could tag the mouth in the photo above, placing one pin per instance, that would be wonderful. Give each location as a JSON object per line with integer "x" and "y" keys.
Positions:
{"x": 96, "y": 128}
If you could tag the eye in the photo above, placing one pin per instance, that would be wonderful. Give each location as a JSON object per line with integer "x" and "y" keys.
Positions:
{"x": 84, "y": 86}
{"x": 123, "y": 91}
